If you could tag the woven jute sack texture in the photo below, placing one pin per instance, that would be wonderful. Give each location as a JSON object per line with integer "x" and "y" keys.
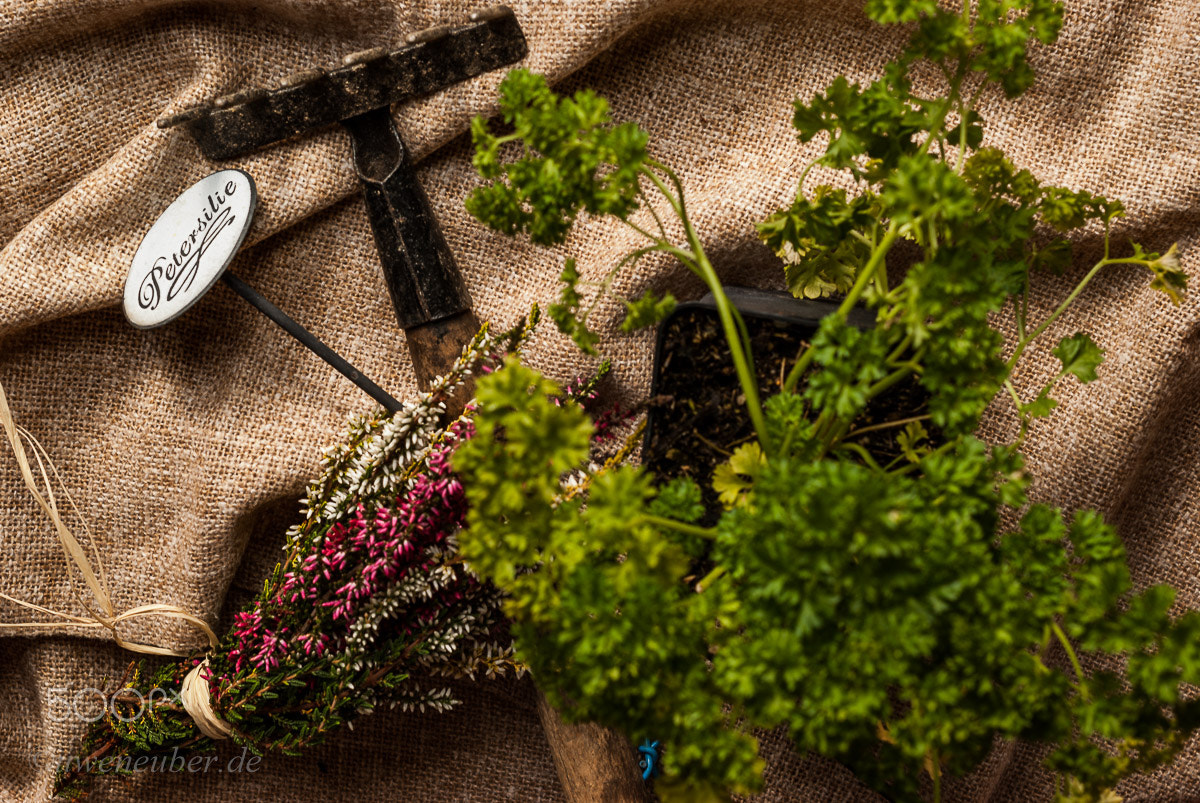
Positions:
{"x": 187, "y": 446}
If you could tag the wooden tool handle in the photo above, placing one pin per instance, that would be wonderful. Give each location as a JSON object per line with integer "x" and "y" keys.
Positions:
{"x": 594, "y": 764}
{"x": 436, "y": 345}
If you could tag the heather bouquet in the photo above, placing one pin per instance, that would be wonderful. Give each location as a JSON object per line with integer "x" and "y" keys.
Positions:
{"x": 371, "y": 606}
{"x": 897, "y": 615}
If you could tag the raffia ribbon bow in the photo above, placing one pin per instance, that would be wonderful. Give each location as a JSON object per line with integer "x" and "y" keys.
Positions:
{"x": 103, "y": 614}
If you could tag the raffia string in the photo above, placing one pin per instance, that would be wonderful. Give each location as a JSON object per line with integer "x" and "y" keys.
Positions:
{"x": 95, "y": 579}
{"x": 197, "y": 701}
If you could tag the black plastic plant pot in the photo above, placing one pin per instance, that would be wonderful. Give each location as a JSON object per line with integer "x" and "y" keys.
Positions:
{"x": 698, "y": 417}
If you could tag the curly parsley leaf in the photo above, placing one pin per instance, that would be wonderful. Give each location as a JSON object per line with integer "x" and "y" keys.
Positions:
{"x": 734, "y": 479}
{"x": 1080, "y": 356}
{"x": 1168, "y": 278}
{"x": 577, "y": 162}
{"x": 647, "y": 311}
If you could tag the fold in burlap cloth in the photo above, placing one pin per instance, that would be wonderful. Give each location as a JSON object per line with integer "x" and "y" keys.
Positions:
{"x": 189, "y": 444}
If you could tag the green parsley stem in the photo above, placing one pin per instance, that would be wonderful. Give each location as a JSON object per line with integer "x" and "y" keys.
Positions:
{"x": 653, "y": 212}
{"x": 837, "y": 433}
{"x": 654, "y": 238}
{"x": 875, "y": 263}
{"x": 945, "y": 447}
{"x": 673, "y": 177}
{"x": 1021, "y": 307}
{"x": 900, "y": 349}
{"x": 804, "y": 175}
{"x": 1074, "y": 659}
{"x": 1025, "y": 341}
{"x": 709, "y": 579}
{"x": 731, "y": 321}
{"x": 935, "y": 129}
{"x": 965, "y": 115}
{"x": 881, "y": 277}
{"x": 885, "y": 425}
{"x": 1012, "y": 391}
{"x": 899, "y": 374}
{"x": 935, "y": 775}
{"x": 824, "y": 426}
{"x": 861, "y": 452}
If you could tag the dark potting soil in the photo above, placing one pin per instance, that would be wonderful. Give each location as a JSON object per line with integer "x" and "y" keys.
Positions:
{"x": 699, "y": 413}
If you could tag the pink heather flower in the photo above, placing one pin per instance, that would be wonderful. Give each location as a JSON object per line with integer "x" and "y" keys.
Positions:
{"x": 360, "y": 557}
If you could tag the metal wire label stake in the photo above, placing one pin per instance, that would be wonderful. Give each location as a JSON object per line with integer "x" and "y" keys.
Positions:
{"x": 189, "y": 248}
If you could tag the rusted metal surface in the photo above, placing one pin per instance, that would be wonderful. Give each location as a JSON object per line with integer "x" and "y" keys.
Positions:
{"x": 429, "y": 61}
{"x": 422, "y": 279}
{"x": 419, "y": 269}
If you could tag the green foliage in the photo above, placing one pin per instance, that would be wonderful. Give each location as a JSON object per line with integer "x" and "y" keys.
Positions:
{"x": 850, "y": 363}
{"x": 566, "y": 313}
{"x": 734, "y": 480}
{"x": 879, "y": 612}
{"x": 875, "y": 122}
{"x": 995, "y": 45}
{"x": 913, "y": 441}
{"x": 1168, "y": 278}
{"x": 647, "y": 311}
{"x": 604, "y": 569}
{"x": 813, "y": 239}
{"x": 584, "y": 163}
{"x": 678, "y": 499}
{"x": 1080, "y": 356}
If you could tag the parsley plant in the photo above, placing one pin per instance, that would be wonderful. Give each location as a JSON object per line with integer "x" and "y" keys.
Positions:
{"x": 881, "y": 613}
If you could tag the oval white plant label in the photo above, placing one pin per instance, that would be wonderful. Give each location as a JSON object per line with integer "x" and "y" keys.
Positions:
{"x": 188, "y": 247}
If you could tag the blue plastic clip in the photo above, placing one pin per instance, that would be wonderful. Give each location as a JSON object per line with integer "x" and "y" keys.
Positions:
{"x": 648, "y": 760}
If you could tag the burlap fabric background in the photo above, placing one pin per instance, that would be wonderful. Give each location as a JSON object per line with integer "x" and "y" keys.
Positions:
{"x": 188, "y": 445}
